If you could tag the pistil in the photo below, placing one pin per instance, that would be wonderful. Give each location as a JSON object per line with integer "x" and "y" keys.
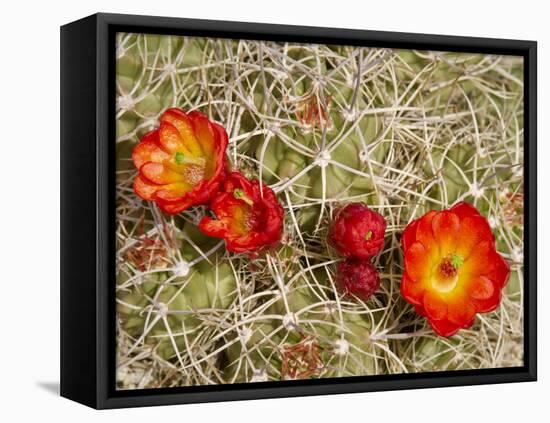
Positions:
{"x": 240, "y": 195}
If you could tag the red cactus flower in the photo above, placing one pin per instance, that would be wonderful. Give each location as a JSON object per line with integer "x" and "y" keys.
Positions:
{"x": 357, "y": 231}
{"x": 452, "y": 269}
{"x": 182, "y": 163}
{"x": 358, "y": 277}
{"x": 249, "y": 216}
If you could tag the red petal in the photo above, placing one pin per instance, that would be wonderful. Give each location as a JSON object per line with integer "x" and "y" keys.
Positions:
{"x": 424, "y": 232}
{"x": 273, "y": 215}
{"x": 409, "y": 234}
{"x": 485, "y": 306}
{"x": 204, "y": 132}
{"x": 501, "y": 271}
{"x": 175, "y": 208}
{"x": 144, "y": 189}
{"x": 417, "y": 264}
{"x": 435, "y": 306}
{"x": 148, "y": 150}
{"x": 481, "y": 261}
{"x": 181, "y": 121}
{"x": 221, "y": 142}
{"x": 237, "y": 180}
{"x": 480, "y": 288}
{"x": 445, "y": 227}
{"x": 212, "y": 227}
{"x": 412, "y": 291}
{"x": 461, "y": 311}
{"x": 444, "y": 327}
{"x": 472, "y": 231}
{"x": 463, "y": 210}
{"x": 420, "y": 310}
{"x": 170, "y": 139}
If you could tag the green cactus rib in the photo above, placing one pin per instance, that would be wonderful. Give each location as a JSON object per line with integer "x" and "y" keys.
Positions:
{"x": 402, "y": 131}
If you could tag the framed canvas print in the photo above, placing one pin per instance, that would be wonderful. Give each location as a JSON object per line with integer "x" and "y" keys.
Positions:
{"x": 254, "y": 211}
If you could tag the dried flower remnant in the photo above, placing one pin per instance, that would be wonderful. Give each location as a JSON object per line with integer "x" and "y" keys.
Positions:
{"x": 313, "y": 111}
{"x": 452, "y": 269}
{"x": 512, "y": 207}
{"x": 248, "y": 215}
{"x": 147, "y": 253}
{"x": 182, "y": 163}
{"x": 301, "y": 360}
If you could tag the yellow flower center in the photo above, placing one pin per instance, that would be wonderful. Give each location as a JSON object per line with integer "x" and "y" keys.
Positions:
{"x": 445, "y": 276}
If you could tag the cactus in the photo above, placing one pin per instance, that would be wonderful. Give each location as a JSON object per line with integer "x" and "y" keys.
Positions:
{"x": 167, "y": 309}
{"x": 339, "y": 337}
{"x": 402, "y": 131}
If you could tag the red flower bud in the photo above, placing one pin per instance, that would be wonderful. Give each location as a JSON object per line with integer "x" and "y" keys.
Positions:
{"x": 357, "y": 231}
{"x": 358, "y": 277}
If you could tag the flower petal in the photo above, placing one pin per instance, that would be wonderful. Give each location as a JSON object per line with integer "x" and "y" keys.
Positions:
{"x": 412, "y": 291}
{"x": 435, "y": 305}
{"x": 204, "y": 132}
{"x": 461, "y": 311}
{"x": 424, "y": 232}
{"x": 237, "y": 180}
{"x": 480, "y": 288}
{"x": 148, "y": 150}
{"x": 159, "y": 174}
{"x": 490, "y": 304}
{"x": 417, "y": 263}
{"x": 444, "y": 327}
{"x": 409, "y": 234}
{"x": 480, "y": 262}
{"x": 445, "y": 228}
{"x": 464, "y": 209}
{"x": 213, "y": 227}
{"x": 171, "y": 193}
{"x": 501, "y": 272}
{"x": 175, "y": 207}
{"x": 420, "y": 310}
{"x": 472, "y": 231}
{"x": 183, "y": 124}
{"x": 170, "y": 139}
{"x": 144, "y": 188}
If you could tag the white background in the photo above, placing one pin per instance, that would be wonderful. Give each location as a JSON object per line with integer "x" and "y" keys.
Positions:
{"x": 29, "y": 231}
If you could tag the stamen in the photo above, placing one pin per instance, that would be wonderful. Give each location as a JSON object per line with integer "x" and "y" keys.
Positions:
{"x": 240, "y": 195}
{"x": 181, "y": 158}
{"x": 445, "y": 277}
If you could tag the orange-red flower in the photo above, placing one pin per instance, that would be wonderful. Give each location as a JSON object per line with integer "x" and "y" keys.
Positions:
{"x": 182, "y": 163}
{"x": 452, "y": 269}
{"x": 249, "y": 215}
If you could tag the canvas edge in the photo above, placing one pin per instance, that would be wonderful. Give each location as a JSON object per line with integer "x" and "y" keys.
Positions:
{"x": 105, "y": 396}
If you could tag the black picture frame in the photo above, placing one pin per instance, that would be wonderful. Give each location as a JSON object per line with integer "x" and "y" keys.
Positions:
{"x": 87, "y": 210}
